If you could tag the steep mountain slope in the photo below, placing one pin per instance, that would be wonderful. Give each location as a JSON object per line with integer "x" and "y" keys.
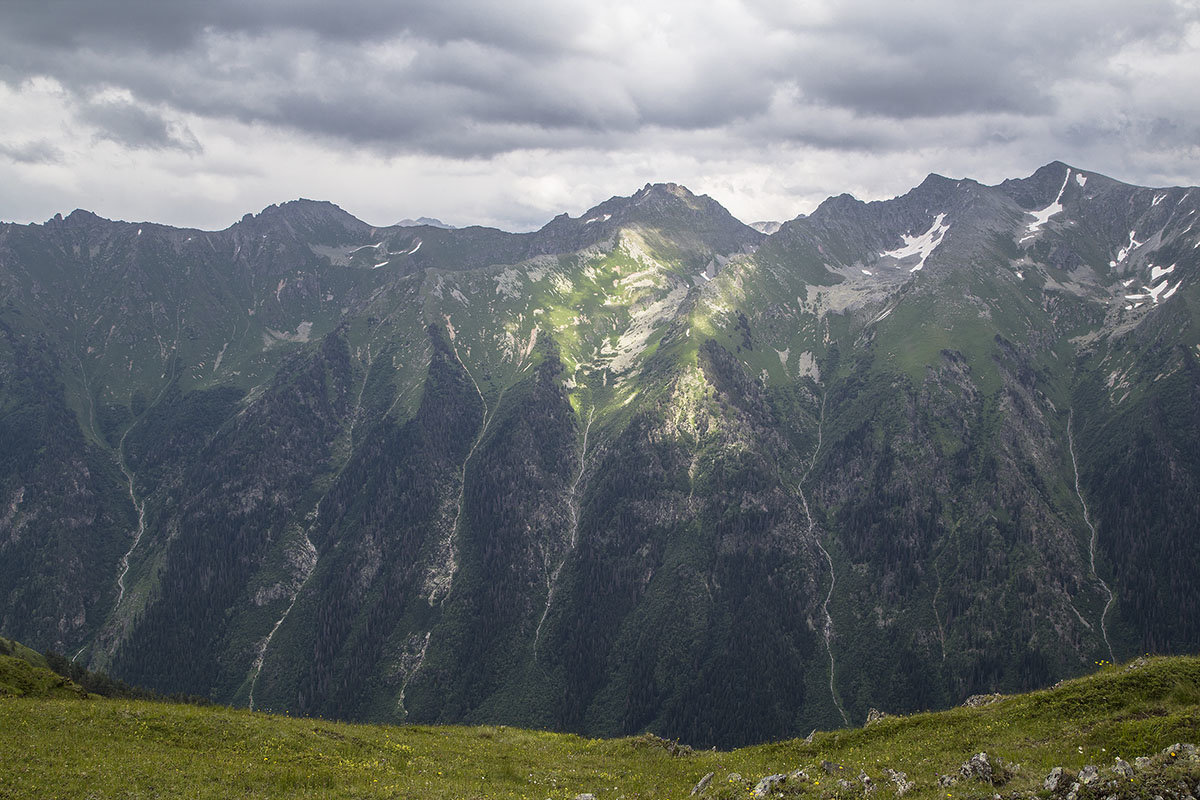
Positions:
{"x": 643, "y": 469}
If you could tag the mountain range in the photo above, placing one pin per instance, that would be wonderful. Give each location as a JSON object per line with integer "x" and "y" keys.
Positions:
{"x": 645, "y": 469}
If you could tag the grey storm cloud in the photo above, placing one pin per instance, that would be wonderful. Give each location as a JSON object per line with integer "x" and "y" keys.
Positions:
{"x": 136, "y": 126}
{"x": 923, "y": 58}
{"x": 477, "y": 78}
{"x": 167, "y": 25}
{"x": 748, "y": 99}
{"x": 38, "y": 152}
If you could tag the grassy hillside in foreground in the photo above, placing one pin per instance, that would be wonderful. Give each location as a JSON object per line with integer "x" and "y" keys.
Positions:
{"x": 134, "y": 749}
{"x": 26, "y": 673}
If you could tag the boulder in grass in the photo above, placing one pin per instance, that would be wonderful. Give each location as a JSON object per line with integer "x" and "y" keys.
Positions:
{"x": 702, "y": 785}
{"x": 767, "y": 785}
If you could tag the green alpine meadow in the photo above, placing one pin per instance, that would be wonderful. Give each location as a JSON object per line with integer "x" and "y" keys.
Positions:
{"x": 647, "y": 470}
{"x": 1121, "y": 731}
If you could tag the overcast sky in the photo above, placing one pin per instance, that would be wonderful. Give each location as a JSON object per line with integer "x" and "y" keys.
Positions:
{"x": 506, "y": 113}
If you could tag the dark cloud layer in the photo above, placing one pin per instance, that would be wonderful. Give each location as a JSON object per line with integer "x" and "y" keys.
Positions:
{"x": 169, "y": 25}
{"x": 31, "y": 152}
{"x": 477, "y": 78}
{"x": 125, "y": 122}
{"x": 725, "y": 79}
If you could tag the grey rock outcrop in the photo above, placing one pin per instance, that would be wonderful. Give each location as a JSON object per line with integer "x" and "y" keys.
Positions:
{"x": 977, "y": 767}
{"x": 903, "y": 784}
{"x": 766, "y": 785}
{"x": 875, "y": 715}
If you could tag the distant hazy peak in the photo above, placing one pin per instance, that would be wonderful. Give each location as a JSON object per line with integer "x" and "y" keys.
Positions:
{"x": 432, "y": 222}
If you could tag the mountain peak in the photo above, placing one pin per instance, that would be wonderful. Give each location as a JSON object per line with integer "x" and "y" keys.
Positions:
{"x": 432, "y": 222}
{"x": 316, "y": 218}
{"x": 673, "y": 189}
{"x": 307, "y": 210}
{"x": 667, "y": 208}
{"x": 934, "y": 180}
{"x": 838, "y": 204}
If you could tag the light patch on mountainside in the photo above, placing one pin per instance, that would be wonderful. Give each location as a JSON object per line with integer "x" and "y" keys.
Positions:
{"x": 806, "y": 366}
{"x": 689, "y": 405}
{"x": 633, "y": 341}
{"x": 921, "y": 245}
{"x": 220, "y": 357}
{"x": 853, "y": 293}
{"x": 635, "y": 247}
{"x": 341, "y": 255}
{"x": 561, "y": 283}
{"x": 644, "y": 279}
{"x": 272, "y": 337}
{"x": 508, "y": 283}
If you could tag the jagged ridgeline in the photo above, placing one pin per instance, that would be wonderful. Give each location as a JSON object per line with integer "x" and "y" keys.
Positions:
{"x": 645, "y": 469}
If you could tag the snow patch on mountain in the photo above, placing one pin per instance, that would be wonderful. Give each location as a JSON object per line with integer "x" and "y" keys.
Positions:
{"x": 1125, "y": 251}
{"x": 922, "y": 245}
{"x": 1156, "y": 294}
{"x": 1081, "y": 179}
{"x": 1158, "y": 272}
{"x": 1042, "y": 216}
{"x": 1158, "y": 290}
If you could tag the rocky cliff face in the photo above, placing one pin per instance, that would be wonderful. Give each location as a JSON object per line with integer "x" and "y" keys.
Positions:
{"x": 644, "y": 469}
